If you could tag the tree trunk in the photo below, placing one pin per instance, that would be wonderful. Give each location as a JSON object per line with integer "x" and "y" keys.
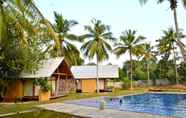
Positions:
{"x": 3, "y": 28}
{"x": 97, "y": 73}
{"x": 148, "y": 73}
{"x": 179, "y": 43}
{"x": 131, "y": 80}
{"x": 176, "y": 72}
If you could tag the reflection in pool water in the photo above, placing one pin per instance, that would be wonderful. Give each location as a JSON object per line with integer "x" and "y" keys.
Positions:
{"x": 152, "y": 103}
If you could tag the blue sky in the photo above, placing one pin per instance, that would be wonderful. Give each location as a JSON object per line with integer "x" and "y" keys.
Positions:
{"x": 149, "y": 20}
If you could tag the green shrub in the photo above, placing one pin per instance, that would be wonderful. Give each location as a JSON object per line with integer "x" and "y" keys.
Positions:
{"x": 126, "y": 83}
{"x": 43, "y": 83}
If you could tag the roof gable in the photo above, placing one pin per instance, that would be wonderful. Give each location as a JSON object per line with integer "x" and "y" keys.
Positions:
{"x": 46, "y": 69}
{"x": 88, "y": 72}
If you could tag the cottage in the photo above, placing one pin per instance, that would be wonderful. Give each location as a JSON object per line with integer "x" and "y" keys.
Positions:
{"x": 85, "y": 77}
{"x": 55, "y": 70}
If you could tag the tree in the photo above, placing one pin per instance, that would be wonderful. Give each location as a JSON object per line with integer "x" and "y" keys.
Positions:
{"x": 96, "y": 44}
{"x": 131, "y": 43}
{"x": 148, "y": 56}
{"x": 167, "y": 47}
{"x": 182, "y": 70}
{"x": 173, "y": 6}
{"x": 166, "y": 70}
{"x": 122, "y": 74}
{"x": 20, "y": 29}
{"x": 67, "y": 49}
{"x": 20, "y": 44}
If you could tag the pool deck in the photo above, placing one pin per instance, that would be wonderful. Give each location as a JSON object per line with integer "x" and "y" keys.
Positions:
{"x": 91, "y": 112}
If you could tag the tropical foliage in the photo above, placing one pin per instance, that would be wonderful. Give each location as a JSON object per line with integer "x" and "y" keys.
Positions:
{"x": 148, "y": 57}
{"x": 96, "y": 44}
{"x": 130, "y": 43}
{"x": 166, "y": 47}
{"x": 20, "y": 49}
{"x": 173, "y": 5}
{"x": 64, "y": 37}
{"x": 26, "y": 37}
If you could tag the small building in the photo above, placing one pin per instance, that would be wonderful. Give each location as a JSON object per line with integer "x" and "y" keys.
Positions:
{"x": 55, "y": 70}
{"x": 85, "y": 77}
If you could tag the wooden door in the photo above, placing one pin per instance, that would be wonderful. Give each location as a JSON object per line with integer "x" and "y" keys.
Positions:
{"x": 88, "y": 85}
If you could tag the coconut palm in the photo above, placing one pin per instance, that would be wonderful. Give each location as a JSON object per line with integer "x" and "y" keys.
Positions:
{"x": 173, "y": 6}
{"x": 148, "y": 56}
{"x": 17, "y": 12}
{"x": 131, "y": 43}
{"x": 20, "y": 22}
{"x": 67, "y": 49}
{"x": 166, "y": 46}
{"x": 28, "y": 16}
{"x": 96, "y": 44}
{"x": 27, "y": 19}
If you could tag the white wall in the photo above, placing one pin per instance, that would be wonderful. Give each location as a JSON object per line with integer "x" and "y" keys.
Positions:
{"x": 37, "y": 88}
{"x": 101, "y": 84}
{"x": 28, "y": 88}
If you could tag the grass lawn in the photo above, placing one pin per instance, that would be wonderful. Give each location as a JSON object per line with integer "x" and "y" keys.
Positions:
{"x": 42, "y": 114}
{"x": 8, "y": 108}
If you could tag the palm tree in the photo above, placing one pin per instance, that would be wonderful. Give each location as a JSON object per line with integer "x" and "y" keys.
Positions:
{"x": 17, "y": 12}
{"x": 131, "y": 43}
{"x": 27, "y": 19}
{"x": 166, "y": 46}
{"x": 96, "y": 44}
{"x": 173, "y": 6}
{"x": 19, "y": 19}
{"x": 67, "y": 49}
{"x": 147, "y": 57}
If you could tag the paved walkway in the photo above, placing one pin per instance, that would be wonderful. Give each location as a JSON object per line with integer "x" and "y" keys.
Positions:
{"x": 91, "y": 112}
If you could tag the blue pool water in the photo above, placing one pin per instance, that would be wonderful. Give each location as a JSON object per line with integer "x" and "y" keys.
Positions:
{"x": 152, "y": 103}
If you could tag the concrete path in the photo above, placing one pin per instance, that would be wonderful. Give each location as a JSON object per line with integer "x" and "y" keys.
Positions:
{"x": 92, "y": 112}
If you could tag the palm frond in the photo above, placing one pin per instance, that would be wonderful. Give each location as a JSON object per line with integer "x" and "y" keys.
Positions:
{"x": 120, "y": 51}
{"x": 109, "y": 36}
{"x": 107, "y": 46}
{"x": 99, "y": 34}
{"x": 89, "y": 29}
{"x": 129, "y": 42}
{"x": 139, "y": 39}
{"x": 72, "y": 37}
{"x": 142, "y": 2}
{"x": 184, "y": 3}
{"x": 85, "y": 36}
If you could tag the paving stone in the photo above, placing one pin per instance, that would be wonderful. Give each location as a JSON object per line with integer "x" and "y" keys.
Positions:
{"x": 92, "y": 112}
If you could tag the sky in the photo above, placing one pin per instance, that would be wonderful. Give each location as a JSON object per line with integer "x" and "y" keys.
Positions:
{"x": 149, "y": 20}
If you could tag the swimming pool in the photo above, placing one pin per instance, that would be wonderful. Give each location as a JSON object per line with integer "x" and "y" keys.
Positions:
{"x": 153, "y": 103}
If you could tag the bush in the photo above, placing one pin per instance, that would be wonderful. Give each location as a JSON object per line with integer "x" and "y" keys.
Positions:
{"x": 43, "y": 83}
{"x": 126, "y": 83}
{"x": 182, "y": 71}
